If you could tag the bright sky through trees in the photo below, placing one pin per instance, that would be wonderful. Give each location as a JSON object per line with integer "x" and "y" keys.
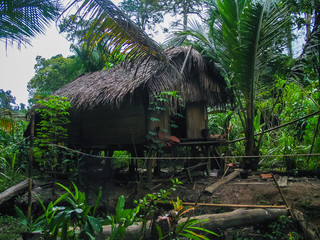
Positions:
{"x": 17, "y": 66}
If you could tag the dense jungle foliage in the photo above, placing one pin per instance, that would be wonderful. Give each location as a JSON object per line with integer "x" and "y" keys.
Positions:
{"x": 268, "y": 52}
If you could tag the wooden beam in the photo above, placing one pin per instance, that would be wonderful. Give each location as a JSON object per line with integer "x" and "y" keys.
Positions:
{"x": 277, "y": 127}
{"x": 220, "y": 182}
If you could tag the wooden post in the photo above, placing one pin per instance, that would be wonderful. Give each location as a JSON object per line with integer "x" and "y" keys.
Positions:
{"x": 284, "y": 200}
{"x": 149, "y": 171}
{"x": 314, "y": 138}
{"x": 32, "y": 126}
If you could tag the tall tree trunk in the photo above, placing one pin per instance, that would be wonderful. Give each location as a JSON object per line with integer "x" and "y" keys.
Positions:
{"x": 308, "y": 24}
{"x": 317, "y": 26}
{"x": 250, "y": 149}
{"x": 185, "y": 15}
{"x": 289, "y": 39}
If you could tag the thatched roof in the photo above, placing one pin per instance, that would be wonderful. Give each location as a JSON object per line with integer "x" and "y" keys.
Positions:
{"x": 112, "y": 87}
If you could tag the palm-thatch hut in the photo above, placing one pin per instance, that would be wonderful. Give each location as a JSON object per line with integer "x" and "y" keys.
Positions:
{"x": 110, "y": 108}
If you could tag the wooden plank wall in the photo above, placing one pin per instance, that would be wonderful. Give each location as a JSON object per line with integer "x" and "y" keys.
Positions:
{"x": 103, "y": 127}
{"x": 163, "y": 122}
{"x": 128, "y": 125}
{"x": 196, "y": 114}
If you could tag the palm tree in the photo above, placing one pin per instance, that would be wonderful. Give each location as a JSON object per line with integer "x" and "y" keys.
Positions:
{"x": 22, "y": 20}
{"x": 244, "y": 37}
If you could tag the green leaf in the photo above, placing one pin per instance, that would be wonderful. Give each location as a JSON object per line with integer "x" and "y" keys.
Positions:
{"x": 203, "y": 229}
{"x": 24, "y": 219}
{"x": 95, "y": 224}
{"x": 155, "y": 119}
{"x": 67, "y": 189}
{"x": 108, "y": 221}
{"x": 159, "y": 232}
{"x": 120, "y": 205}
{"x": 257, "y": 120}
{"x": 64, "y": 230}
{"x": 97, "y": 201}
{"x": 124, "y": 214}
{"x": 189, "y": 236}
{"x": 62, "y": 197}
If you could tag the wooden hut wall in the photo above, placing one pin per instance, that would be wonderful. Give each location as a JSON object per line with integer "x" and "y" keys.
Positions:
{"x": 196, "y": 114}
{"x": 101, "y": 127}
{"x": 163, "y": 122}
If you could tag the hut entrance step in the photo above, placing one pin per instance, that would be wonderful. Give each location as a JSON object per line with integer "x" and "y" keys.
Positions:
{"x": 198, "y": 167}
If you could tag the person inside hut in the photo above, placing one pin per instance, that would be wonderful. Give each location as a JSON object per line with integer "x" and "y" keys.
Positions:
{"x": 218, "y": 137}
{"x": 164, "y": 137}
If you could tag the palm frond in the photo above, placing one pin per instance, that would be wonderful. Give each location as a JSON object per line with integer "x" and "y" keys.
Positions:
{"x": 197, "y": 35}
{"x": 21, "y": 20}
{"x": 116, "y": 30}
{"x": 246, "y": 43}
{"x": 311, "y": 48}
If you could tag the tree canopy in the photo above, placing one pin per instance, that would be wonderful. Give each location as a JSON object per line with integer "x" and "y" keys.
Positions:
{"x": 51, "y": 74}
{"x": 6, "y": 99}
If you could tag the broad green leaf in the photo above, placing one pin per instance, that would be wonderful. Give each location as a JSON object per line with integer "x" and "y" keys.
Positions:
{"x": 95, "y": 224}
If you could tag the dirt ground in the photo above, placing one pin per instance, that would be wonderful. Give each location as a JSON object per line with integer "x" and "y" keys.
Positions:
{"x": 302, "y": 193}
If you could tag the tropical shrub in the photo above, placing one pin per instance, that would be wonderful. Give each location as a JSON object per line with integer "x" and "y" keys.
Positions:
{"x": 51, "y": 131}
{"x": 123, "y": 219}
{"x": 13, "y": 155}
{"x": 75, "y": 221}
{"x": 188, "y": 229}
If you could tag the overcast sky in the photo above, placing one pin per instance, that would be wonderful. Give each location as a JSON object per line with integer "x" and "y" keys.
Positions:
{"x": 16, "y": 66}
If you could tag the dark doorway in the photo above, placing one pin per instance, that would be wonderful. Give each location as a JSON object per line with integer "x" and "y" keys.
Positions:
{"x": 178, "y": 124}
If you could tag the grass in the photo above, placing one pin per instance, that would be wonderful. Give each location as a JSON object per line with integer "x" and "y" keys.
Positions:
{"x": 7, "y": 183}
{"x": 10, "y": 228}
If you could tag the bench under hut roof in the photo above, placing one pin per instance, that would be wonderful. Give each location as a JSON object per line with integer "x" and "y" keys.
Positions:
{"x": 186, "y": 71}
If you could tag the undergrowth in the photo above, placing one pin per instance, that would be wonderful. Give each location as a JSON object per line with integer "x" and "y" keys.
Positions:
{"x": 10, "y": 228}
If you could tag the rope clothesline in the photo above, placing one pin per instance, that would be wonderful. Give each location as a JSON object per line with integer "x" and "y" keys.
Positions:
{"x": 171, "y": 158}
{"x": 186, "y": 157}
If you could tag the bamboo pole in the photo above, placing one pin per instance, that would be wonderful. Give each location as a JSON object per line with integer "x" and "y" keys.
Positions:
{"x": 185, "y": 60}
{"x": 284, "y": 199}
{"x": 235, "y": 205}
{"x": 277, "y": 127}
{"x": 32, "y": 125}
{"x": 314, "y": 139}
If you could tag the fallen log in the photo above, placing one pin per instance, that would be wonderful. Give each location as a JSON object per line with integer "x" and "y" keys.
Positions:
{"x": 13, "y": 191}
{"x": 304, "y": 226}
{"x": 216, "y": 222}
{"x": 222, "y": 181}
